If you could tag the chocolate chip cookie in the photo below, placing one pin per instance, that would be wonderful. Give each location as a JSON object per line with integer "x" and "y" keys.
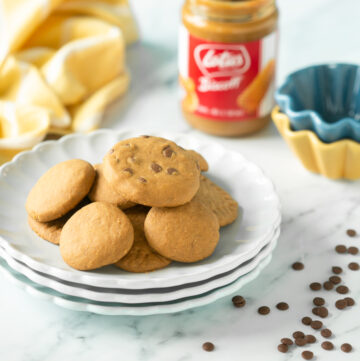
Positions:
{"x": 152, "y": 171}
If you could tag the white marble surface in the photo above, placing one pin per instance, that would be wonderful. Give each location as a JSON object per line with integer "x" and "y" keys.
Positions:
{"x": 316, "y": 213}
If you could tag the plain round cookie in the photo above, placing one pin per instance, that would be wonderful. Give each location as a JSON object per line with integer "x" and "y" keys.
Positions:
{"x": 187, "y": 233}
{"x": 152, "y": 171}
{"x": 218, "y": 200}
{"x": 141, "y": 257}
{"x": 97, "y": 235}
{"x": 101, "y": 191}
{"x": 60, "y": 189}
{"x": 50, "y": 231}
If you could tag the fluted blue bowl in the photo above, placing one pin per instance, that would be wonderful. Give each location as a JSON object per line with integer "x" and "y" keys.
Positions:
{"x": 325, "y": 99}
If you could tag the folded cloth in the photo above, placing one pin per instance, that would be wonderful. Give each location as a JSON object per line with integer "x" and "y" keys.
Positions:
{"x": 62, "y": 62}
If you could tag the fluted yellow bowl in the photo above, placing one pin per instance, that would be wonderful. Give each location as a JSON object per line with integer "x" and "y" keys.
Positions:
{"x": 337, "y": 160}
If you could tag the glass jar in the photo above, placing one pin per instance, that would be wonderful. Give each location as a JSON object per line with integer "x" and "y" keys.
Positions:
{"x": 227, "y": 52}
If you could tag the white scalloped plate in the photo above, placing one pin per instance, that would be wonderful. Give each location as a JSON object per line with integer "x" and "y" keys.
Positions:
{"x": 259, "y": 216}
{"x": 135, "y": 297}
{"x": 117, "y": 309}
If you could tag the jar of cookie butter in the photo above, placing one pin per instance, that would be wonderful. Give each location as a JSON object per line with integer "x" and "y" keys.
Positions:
{"x": 227, "y": 58}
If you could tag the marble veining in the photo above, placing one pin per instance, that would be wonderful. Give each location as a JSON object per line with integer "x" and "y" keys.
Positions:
{"x": 316, "y": 214}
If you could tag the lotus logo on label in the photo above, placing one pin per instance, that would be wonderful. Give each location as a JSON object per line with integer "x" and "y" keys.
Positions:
{"x": 217, "y": 60}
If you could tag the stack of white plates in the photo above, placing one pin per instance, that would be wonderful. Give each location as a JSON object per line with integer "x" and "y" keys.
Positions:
{"x": 244, "y": 249}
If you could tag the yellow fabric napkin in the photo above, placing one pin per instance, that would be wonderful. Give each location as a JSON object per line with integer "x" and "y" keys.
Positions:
{"x": 61, "y": 63}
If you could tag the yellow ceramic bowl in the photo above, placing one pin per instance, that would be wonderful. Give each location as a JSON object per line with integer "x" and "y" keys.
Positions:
{"x": 336, "y": 160}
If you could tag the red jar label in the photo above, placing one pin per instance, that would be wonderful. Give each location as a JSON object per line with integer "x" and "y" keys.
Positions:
{"x": 227, "y": 81}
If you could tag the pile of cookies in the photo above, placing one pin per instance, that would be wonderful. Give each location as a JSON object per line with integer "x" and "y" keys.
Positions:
{"x": 146, "y": 205}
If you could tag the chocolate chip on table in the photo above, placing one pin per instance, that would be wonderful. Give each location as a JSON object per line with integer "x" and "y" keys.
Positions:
{"x": 298, "y": 334}
{"x": 342, "y": 289}
{"x": 300, "y": 341}
{"x": 349, "y": 301}
{"x": 282, "y": 306}
{"x": 306, "y": 320}
{"x": 286, "y": 341}
{"x": 318, "y": 301}
{"x": 340, "y": 248}
{"x": 340, "y": 304}
{"x": 307, "y": 355}
{"x": 327, "y": 345}
{"x": 337, "y": 270}
{"x": 328, "y": 285}
{"x": 316, "y": 324}
{"x": 156, "y": 167}
{"x": 282, "y": 348}
{"x": 335, "y": 279}
{"x": 208, "y": 346}
{"x": 320, "y": 311}
{"x": 297, "y": 266}
{"x": 310, "y": 339}
{"x": 353, "y": 250}
{"x": 326, "y": 333}
{"x": 238, "y": 301}
{"x": 263, "y": 310}
{"x": 346, "y": 347}
{"x": 354, "y": 266}
{"x": 351, "y": 232}
{"x": 315, "y": 286}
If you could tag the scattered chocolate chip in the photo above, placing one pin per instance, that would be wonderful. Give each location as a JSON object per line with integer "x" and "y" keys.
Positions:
{"x": 321, "y": 311}
{"x": 353, "y": 250}
{"x": 172, "y": 171}
{"x": 297, "y": 266}
{"x": 264, "y": 310}
{"x": 208, "y": 346}
{"x": 282, "y": 348}
{"x": 342, "y": 290}
{"x": 326, "y": 333}
{"x": 346, "y": 347}
{"x": 300, "y": 341}
{"x": 156, "y": 167}
{"x": 310, "y": 339}
{"x": 349, "y": 301}
{"x": 354, "y": 266}
{"x": 238, "y": 301}
{"x": 340, "y": 248}
{"x": 318, "y": 301}
{"x": 335, "y": 280}
{"x": 282, "y": 306}
{"x": 298, "y": 334}
{"x": 287, "y": 341}
{"x": 340, "y": 304}
{"x": 129, "y": 170}
{"x": 328, "y": 285}
{"x": 337, "y": 270}
{"x": 307, "y": 355}
{"x": 316, "y": 325}
{"x": 315, "y": 311}
{"x": 167, "y": 151}
{"x": 315, "y": 286}
{"x": 327, "y": 345}
{"x": 142, "y": 180}
{"x": 306, "y": 320}
{"x": 351, "y": 232}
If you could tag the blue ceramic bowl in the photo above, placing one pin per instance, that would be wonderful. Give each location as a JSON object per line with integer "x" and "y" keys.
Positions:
{"x": 325, "y": 99}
